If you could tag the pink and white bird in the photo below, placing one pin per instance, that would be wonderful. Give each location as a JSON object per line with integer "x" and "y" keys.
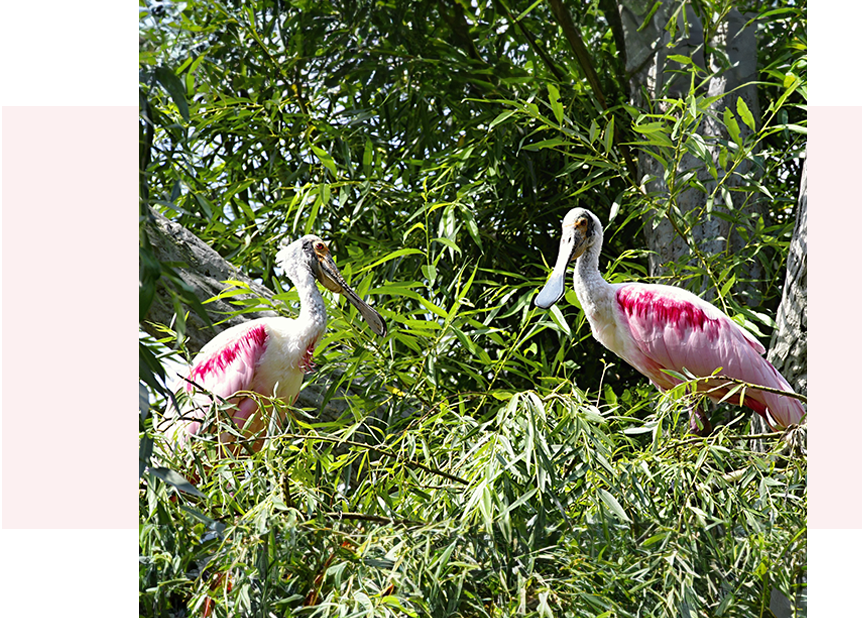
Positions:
{"x": 657, "y": 327}
{"x": 268, "y": 356}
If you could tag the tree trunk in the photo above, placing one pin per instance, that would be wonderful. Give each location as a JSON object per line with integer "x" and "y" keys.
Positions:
{"x": 201, "y": 269}
{"x": 788, "y": 346}
{"x": 653, "y": 76}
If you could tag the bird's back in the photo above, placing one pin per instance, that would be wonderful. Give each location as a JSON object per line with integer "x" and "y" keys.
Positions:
{"x": 667, "y": 328}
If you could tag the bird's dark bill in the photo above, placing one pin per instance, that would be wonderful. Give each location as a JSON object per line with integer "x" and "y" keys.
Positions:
{"x": 333, "y": 281}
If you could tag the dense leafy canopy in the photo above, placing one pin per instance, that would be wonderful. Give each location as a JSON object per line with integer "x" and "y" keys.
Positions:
{"x": 492, "y": 459}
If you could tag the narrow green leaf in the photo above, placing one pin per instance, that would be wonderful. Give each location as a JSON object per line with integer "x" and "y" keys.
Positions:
{"x": 727, "y": 286}
{"x": 430, "y": 273}
{"x": 613, "y": 505}
{"x": 559, "y": 319}
{"x": 592, "y": 131}
{"x": 205, "y": 205}
{"x": 646, "y": 21}
{"x": 527, "y": 10}
{"x": 556, "y": 106}
{"x": 501, "y": 117}
{"x": 172, "y": 84}
{"x": 177, "y": 480}
{"x": 448, "y": 243}
{"x": 745, "y": 114}
{"x": 697, "y": 148}
{"x": 368, "y": 154}
{"x": 546, "y": 143}
{"x": 472, "y": 227}
{"x": 656, "y": 538}
{"x": 325, "y": 159}
{"x": 726, "y": 197}
{"x": 679, "y": 58}
{"x": 609, "y": 136}
{"x": 649, "y": 127}
{"x": 391, "y": 256}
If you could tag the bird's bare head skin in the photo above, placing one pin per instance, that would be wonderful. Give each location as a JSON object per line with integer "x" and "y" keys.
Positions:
{"x": 317, "y": 256}
{"x": 581, "y": 229}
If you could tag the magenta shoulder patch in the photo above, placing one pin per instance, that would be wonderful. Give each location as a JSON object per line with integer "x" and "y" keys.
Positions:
{"x": 645, "y": 304}
{"x": 249, "y": 347}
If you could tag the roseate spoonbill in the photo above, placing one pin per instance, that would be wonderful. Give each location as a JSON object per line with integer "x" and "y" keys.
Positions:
{"x": 268, "y": 356}
{"x": 656, "y": 327}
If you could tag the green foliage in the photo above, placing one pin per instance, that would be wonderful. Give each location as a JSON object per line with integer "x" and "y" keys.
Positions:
{"x": 549, "y": 503}
{"x": 492, "y": 458}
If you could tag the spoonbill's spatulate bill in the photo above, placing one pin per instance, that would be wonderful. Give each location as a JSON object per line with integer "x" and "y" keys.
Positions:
{"x": 268, "y": 356}
{"x": 656, "y": 327}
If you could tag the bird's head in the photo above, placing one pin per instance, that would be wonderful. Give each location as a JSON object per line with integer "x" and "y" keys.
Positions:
{"x": 311, "y": 253}
{"x": 581, "y": 231}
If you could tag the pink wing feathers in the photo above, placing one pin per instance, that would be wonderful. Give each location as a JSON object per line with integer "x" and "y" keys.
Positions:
{"x": 224, "y": 366}
{"x": 673, "y": 329}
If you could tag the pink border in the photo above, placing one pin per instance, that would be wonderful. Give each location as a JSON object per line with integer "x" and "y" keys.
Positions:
{"x": 69, "y": 225}
{"x": 835, "y": 324}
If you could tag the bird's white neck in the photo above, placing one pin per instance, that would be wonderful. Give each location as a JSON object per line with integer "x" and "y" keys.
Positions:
{"x": 593, "y": 292}
{"x": 313, "y": 312}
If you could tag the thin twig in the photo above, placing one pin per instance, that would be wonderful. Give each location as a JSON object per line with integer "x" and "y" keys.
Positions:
{"x": 376, "y": 449}
{"x": 242, "y": 443}
{"x": 576, "y": 42}
{"x": 767, "y": 389}
{"x": 698, "y": 439}
{"x": 373, "y": 518}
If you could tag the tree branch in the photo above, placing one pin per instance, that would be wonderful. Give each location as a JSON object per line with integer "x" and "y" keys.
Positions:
{"x": 539, "y": 51}
{"x": 376, "y": 449}
{"x": 461, "y": 32}
{"x": 373, "y": 518}
{"x": 572, "y": 34}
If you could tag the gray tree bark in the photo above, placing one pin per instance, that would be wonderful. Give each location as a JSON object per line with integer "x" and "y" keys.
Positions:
{"x": 788, "y": 345}
{"x": 202, "y": 269}
{"x": 653, "y": 78}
